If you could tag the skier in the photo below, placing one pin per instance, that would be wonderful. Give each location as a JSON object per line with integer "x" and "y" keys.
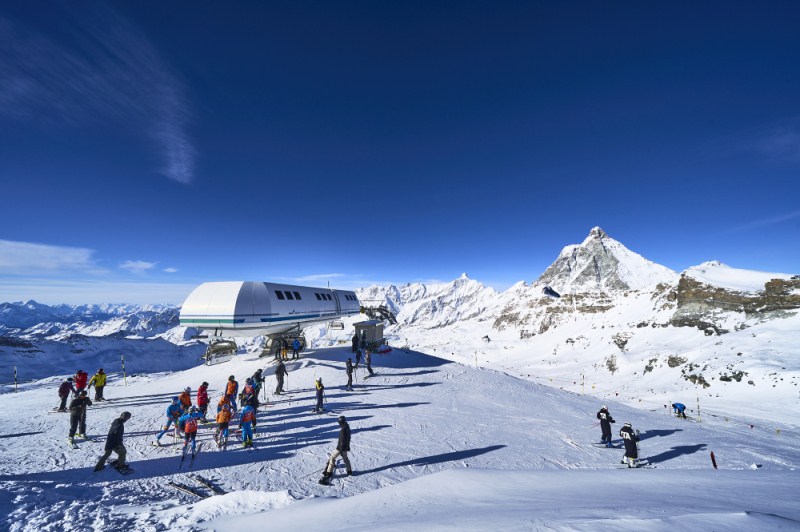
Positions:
{"x": 80, "y": 380}
{"x": 77, "y": 415}
{"x": 605, "y": 425}
{"x": 295, "y": 349}
{"x": 114, "y": 444}
{"x": 63, "y": 392}
{"x": 342, "y": 448}
{"x": 320, "y": 395}
{"x": 358, "y": 357}
{"x": 280, "y": 372}
{"x": 363, "y": 342}
{"x": 231, "y": 389}
{"x": 186, "y": 399}
{"x": 679, "y": 410}
{"x": 248, "y": 393}
{"x": 99, "y": 382}
{"x": 368, "y": 360}
{"x": 355, "y": 342}
{"x": 258, "y": 380}
{"x": 247, "y": 422}
{"x": 349, "y": 369}
{"x": 631, "y": 450}
{"x": 202, "y": 401}
{"x": 188, "y": 423}
{"x": 223, "y": 418}
{"x": 223, "y": 402}
{"x": 173, "y": 414}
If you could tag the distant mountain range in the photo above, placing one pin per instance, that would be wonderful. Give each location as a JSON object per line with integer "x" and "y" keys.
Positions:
{"x": 599, "y": 310}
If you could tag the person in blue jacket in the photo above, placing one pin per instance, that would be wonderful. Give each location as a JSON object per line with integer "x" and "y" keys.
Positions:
{"x": 295, "y": 348}
{"x": 188, "y": 424}
{"x": 247, "y": 421}
{"x": 173, "y": 414}
{"x": 679, "y": 410}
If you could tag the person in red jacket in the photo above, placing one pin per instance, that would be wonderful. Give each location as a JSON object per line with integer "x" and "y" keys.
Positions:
{"x": 202, "y": 401}
{"x": 81, "y": 379}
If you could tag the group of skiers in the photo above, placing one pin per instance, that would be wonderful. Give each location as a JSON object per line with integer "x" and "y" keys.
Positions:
{"x": 350, "y": 368}
{"x": 282, "y": 353}
{"x": 78, "y": 383}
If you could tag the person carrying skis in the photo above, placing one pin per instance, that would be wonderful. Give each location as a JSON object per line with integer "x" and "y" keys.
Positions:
{"x": 77, "y": 415}
{"x": 188, "y": 423}
{"x": 186, "y": 399}
{"x": 231, "y": 389}
{"x": 280, "y": 372}
{"x": 605, "y": 425}
{"x": 679, "y": 409}
{"x": 114, "y": 444}
{"x": 320, "y": 395}
{"x": 295, "y": 349}
{"x": 246, "y": 421}
{"x": 349, "y": 369}
{"x": 64, "y": 390}
{"x": 99, "y": 382}
{"x": 223, "y": 419}
{"x": 202, "y": 401}
{"x": 81, "y": 377}
{"x": 342, "y": 448}
{"x": 629, "y": 437}
{"x": 368, "y": 360}
{"x": 173, "y": 414}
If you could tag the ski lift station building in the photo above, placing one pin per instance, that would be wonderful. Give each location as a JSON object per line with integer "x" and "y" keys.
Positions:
{"x": 372, "y": 330}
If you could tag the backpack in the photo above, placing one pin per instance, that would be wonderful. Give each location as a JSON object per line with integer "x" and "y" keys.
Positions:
{"x": 191, "y": 425}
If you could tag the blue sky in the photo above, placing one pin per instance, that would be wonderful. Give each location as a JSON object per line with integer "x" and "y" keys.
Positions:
{"x": 146, "y": 147}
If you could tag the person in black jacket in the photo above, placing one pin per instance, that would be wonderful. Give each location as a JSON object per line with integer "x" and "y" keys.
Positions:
{"x": 114, "y": 443}
{"x": 64, "y": 390}
{"x": 631, "y": 449}
{"x": 280, "y": 373}
{"x": 605, "y": 425}
{"x": 77, "y": 414}
{"x": 342, "y": 448}
{"x": 349, "y": 369}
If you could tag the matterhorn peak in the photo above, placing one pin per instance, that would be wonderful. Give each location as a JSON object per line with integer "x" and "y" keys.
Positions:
{"x": 602, "y": 264}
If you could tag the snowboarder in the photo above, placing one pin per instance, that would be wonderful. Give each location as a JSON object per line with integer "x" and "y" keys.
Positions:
{"x": 295, "y": 349}
{"x": 630, "y": 438}
{"x": 349, "y": 370}
{"x": 186, "y": 399}
{"x": 188, "y": 423}
{"x": 173, "y": 414}
{"x": 99, "y": 382}
{"x": 368, "y": 360}
{"x": 247, "y": 421}
{"x": 81, "y": 377}
{"x": 355, "y": 342}
{"x": 114, "y": 444}
{"x": 605, "y": 425}
{"x": 679, "y": 409}
{"x": 77, "y": 415}
{"x": 280, "y": 372}
{"x": 342, "y": 448}
{"x": 231, "y": 389}
{"x": 320, "y": 395}
{"x": 64, "y": 390}
{"x": 223, "y": 418}
{"x": 202, "y": 401}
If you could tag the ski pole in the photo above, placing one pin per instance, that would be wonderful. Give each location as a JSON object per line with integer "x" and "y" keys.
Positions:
{"x": 287, "y": 381}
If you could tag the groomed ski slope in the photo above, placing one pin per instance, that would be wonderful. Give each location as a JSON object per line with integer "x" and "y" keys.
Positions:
{"x": 436, "y": 445}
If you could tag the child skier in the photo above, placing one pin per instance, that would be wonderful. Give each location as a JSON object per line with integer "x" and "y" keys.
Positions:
{"x": 173, "y": 414}
{"x": 630, "y": 438}
{"x": 188, "y": 423}
{"x": 320, "y": 395}
{"x": 186, "y": 399}
{"x": 605, "y": 425}
{"x": 223, "y": 418}
{"x": 246, "y": 422}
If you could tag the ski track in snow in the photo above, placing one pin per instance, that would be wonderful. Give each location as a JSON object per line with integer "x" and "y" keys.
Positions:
{"x": 422, "y": 416}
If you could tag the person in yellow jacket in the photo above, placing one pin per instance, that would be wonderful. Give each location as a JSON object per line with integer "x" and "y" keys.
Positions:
{"x": 99, "y": 382}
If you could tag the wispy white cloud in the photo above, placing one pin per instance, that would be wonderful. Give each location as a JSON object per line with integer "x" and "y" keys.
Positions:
{"x": 318, "y": 277}
{"x": 170, "y": 270}
{"x": 137, "y": 266}
{"x": 764, "y": 222}
{"x": 26, "y": 258}
{"x": 778, "y": 141}
{"x": 100, "y": 70}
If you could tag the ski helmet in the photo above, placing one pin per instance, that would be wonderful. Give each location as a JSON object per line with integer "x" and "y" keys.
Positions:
{"x": 342, "y": 419}
{"x": 125, "y": 415}
{"x": 204, "y": 383}
{"x": 604, "y": 407}
{"x": 248, "y": 380}
{"x": 82, "y": 393}
{"x": 69, "y": 379}
{"x": 231, "y": 378}
{"x": 175, "y": 399}
{"x": 627, "y": 424}
{"x": 187, "y": 390}
{"x": 100, "y": 370}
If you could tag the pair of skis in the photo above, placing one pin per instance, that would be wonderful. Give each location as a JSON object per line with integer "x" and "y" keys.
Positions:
{"x": 190, "y": 490}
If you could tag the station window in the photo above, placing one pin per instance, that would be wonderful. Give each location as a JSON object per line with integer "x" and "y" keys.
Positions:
{"x": 330, "y": 297}
{"x": 279, "y": 294}
{"x": 318, "y": 296}
{"x": 297, "y": 295}
{"x": 288, "y": 294}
